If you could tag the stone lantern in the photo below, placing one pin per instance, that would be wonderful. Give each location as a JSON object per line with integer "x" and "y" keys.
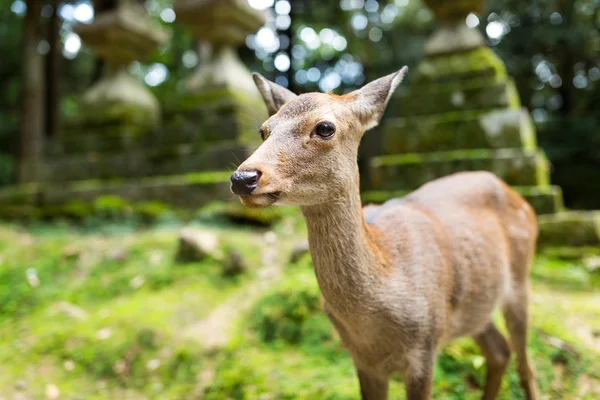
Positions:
{"x": 120, "y": 36}
{"x": 461, "y": 112}
{"x": 453, "y": 34}
{"x": 219, "y": 99}
{"x": 222, "y": 27}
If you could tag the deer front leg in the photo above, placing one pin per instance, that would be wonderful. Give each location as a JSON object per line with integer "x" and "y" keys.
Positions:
{"x": 372, "y": 387}
{"x": 418, "y": 377}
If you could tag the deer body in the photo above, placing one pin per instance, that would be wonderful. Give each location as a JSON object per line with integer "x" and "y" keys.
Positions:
{"x": 401, "y": 279}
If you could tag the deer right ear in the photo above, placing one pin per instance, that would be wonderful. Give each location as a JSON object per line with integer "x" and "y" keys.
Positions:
{"x": 370, "y": 101}
{"x": 273, "y": 94}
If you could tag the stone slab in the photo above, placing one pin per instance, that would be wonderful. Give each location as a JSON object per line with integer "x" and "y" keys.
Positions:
{"x": 409, "y": 171}
{"x": 504, "y": 128}
{"x": 460, "y": 67}
{"x": 471, "y": 95}
{"x": 570, "y": 228}
{"x": 183, "y": 158}
{"x": 544, "y": 200}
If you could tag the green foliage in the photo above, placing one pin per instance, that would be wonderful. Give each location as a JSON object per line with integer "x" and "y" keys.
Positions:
{"x": 291, "y": 313}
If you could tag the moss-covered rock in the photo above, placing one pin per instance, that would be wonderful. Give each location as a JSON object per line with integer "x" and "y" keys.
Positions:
{"x": 460, "y": 130}
{"x": 409, "y": 171}
{"x": 572, "y": 228}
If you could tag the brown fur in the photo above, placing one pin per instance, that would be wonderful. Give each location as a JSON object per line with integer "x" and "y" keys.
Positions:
{"x": 401, "y": 279}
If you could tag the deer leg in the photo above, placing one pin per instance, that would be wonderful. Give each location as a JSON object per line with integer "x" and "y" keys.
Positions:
{"x": 516, "y": 316}
{"x": 496, "y": 351}
{"x": 418, "y": 377}
{"x": 372, "y": 387}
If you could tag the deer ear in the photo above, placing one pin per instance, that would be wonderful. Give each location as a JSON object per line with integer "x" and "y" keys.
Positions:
{"x": 273, "y": 94}
{"x": 370, "y": 101}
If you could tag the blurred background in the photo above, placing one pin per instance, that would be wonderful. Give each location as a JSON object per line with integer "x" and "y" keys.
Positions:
{"x": 550, "y": 49}
{"x": 128, "y": 270}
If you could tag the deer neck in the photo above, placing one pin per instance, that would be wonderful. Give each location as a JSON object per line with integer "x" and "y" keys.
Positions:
{"x": 345, "y": 256}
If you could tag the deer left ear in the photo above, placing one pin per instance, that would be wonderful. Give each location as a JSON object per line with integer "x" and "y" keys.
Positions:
{"x": 370, "y": 101}
{"x": 273, "y": 94}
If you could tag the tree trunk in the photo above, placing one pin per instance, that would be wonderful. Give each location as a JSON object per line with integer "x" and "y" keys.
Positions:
{"x": 53, "y": 74}
{"x": 32, "y": 115}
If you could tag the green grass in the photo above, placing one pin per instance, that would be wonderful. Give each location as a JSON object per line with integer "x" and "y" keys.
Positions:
{"x": 131, "y": 303}
{"x": 112, "y": 313}
{"x": 286, "y": 348}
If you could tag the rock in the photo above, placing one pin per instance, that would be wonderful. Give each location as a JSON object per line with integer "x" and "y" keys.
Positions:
{"x": 299, "y": 250}
{"x": 234, "y": 263}
{"x": 52, "y": 391}
{"x": 21, "y": 385}
{"x": 32, "y": 277}
{"x": 104, "y": 333}
{"x": 156, "y": 258}
{"x": 137, "y": 282}
{"x": 120, "y": 367}
{"x": 118, "y": 254}
{"x": 153, "y": 364}
{"x": 270, "y": 237}
{"x": 70, "y": 252}
{"x": 592, "y": 263}
{"x": 70, "y": 310}
{"x": 196, "y": 245}
{"x": 69, "y": 365}
{"x": 569, "y": 228}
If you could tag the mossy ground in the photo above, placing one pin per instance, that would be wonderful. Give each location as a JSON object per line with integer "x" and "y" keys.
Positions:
{"x": 112, "y": 313}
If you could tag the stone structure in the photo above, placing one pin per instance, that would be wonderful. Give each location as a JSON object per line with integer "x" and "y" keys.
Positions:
{"x": 463, "y": 113}
{"x": 123, "y": 149}
{"x": 120, "y": 36}
{"x": 222, "y": 25}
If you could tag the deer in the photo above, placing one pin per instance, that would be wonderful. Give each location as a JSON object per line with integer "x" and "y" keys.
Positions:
{"x": 401, "y": 279}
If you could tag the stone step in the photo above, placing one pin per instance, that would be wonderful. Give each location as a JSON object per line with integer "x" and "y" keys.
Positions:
{"x": 570, "y": 228}
{"x": 463, "y": 66}
{"x": 478, "y": 94}
{"x": 505, "y": 128}
{"x": 198, "y": 119}
{"x": 543, "y": 199}
{"x": 172, "y": 160}
{"x": 409, "y": 171}
{"x": 109, "y": 138}
{"x": 189, "y": 191}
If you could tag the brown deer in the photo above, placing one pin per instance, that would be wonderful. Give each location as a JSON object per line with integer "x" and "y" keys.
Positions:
{"x": 401, "y": 279}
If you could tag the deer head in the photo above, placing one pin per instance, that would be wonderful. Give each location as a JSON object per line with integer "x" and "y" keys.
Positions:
{"x": 310, "y": 143}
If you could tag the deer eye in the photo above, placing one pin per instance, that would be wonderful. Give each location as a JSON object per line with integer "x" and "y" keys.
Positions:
{"x": 325, "y": 129}
{"x": 263, "y": 135}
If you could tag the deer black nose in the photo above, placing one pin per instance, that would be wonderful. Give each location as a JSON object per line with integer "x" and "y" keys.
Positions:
{"x": 244, "y": 182}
